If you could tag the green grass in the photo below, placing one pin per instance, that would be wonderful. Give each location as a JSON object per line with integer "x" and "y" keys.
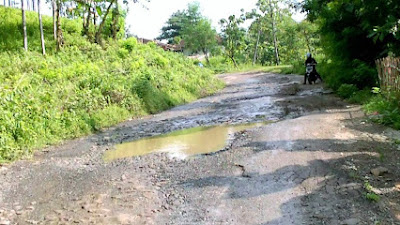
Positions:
{"x": 384, "y": 110}
{"x": 220, "y": 64}
{"x": 372, "y": 197}
{"x": 83, "y": 88}
{"x": 11, "y": 38}
{"x": 369, "y": 194}
{"x": 282, "y": 69}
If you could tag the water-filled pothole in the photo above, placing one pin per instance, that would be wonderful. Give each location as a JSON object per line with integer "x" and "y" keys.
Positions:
{"x": 182, "y": 143}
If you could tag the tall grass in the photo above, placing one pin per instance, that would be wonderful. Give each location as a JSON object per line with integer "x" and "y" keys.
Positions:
{"x": 83, "y": 88}
{"x": 220, "y": 64}
{"x": 11, "y": 36}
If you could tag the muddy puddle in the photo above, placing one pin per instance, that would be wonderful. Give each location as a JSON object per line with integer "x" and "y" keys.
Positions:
{"x": 182, "y": 143}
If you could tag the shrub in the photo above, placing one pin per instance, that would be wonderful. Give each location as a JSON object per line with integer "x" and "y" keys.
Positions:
{"x": 129, "y": 44}
{"x": 347, "y": 90}
{"x": 220, "y": 64}
{"x": 385, "y": 110}
{"x": 361, "y": 97}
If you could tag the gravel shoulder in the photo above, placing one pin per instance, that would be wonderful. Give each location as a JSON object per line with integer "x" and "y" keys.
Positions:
{"x": 311, "y": 164}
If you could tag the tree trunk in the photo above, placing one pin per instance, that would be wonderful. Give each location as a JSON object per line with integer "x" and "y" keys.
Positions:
{"x": 53, "y": 5}
{"x": 101, "y": 26}
{"x": 41, "y": 29}
{"x": 9, "y": 3}
{"x": 274, "y": 34}
{"x": 60, "y": 38}
{"x": 232, "y": 52}
{"x": 94, "y": 15}
{"x": 86, "y": 21}
{"x": 276, "y": 50}
{"x": 33, "y": 5}
{"x": 24, "y": 26}
{"x": 115, "y": 20}
{"x": 233, "y": 60}
{"x": 206, "y": 55}
{"x": 307, "y": 41}
{"x": 255, "y": 51}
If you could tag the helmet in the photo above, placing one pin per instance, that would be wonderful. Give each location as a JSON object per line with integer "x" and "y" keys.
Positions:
{"x": 308, "y": 55}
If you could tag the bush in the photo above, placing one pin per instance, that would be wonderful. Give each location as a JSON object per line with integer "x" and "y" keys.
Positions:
{"x": 129, "y": 44}
{"x": 336, "y": 72}
{"x": 361, "y": 97}
{"x": 220, "y": 64}
{"x": 385, "y": 110}
{"x": 347, "y": 90}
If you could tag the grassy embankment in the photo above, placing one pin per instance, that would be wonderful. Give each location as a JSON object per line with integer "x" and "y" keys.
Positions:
{"x": 220, "y": 64}
{"x": 44, "y": 100}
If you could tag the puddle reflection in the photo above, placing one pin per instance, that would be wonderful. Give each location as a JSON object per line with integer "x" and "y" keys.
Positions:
{"x": 182, "y": 143}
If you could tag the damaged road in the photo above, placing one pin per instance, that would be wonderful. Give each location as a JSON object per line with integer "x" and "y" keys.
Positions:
{"x": 308, "y": 161}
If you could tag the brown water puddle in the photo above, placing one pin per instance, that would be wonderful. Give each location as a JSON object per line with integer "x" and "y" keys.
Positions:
{"x": 180, "y": 144}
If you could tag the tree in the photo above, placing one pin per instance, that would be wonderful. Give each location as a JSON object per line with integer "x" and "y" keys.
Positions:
{"x": 41, "y": 29}
{"x": 104, "y": 10}
{"x": 86, "y": 10}
{"x": 59, "y": 34}
{"x": 173, "y": 27}
{"x": 178, "y": 21}
{"x": 233, "y": 36}
{"x": 354, "y": 34}
{"x": 24, "y": 26}
{"x": 271, "y": 13}
{"x": 256, "y": 27}
{"x": 98, "y": 36}
{"x": 199, "y": 37}
{"x": 53, "y": 7}
{"x": 115, "y": 22}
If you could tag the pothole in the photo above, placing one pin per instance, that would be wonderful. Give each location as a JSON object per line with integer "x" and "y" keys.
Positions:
{"x": 182, "y": 143}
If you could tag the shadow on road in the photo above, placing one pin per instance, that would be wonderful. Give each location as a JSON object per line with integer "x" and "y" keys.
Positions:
{"x": 333, "y": 189}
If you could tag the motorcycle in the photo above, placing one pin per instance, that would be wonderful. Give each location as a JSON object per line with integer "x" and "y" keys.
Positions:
{"x": 311, "y": 75}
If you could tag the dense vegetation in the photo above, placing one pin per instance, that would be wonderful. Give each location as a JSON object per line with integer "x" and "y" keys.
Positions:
{"x": 353, "y": 35}
{"x": 273, "y": 37}
{"x": 83, "y": 87}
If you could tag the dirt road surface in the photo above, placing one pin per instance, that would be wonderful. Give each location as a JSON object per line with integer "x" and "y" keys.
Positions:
{"x": 310, "y": 163}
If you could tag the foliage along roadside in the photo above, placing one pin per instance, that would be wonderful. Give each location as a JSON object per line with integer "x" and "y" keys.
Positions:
{"x": 221, "y": 64}
{"x": 11, "y": 36}
{"x": 81, "y": 89}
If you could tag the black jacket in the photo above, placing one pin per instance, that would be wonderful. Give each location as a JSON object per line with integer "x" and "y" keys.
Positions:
{"x": 310, "y": 60}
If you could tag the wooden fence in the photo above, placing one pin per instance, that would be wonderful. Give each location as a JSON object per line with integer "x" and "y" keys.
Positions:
{"x": 389, "y": 74}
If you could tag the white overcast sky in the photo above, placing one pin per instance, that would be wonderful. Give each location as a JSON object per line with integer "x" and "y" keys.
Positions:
{"x": 147, "y": 23}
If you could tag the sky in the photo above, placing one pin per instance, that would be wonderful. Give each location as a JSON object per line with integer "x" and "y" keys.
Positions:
{"x": 147, "y": 23}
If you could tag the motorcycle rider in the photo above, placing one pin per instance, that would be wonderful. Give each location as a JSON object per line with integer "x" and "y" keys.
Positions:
{"x": 311, "y": 60}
